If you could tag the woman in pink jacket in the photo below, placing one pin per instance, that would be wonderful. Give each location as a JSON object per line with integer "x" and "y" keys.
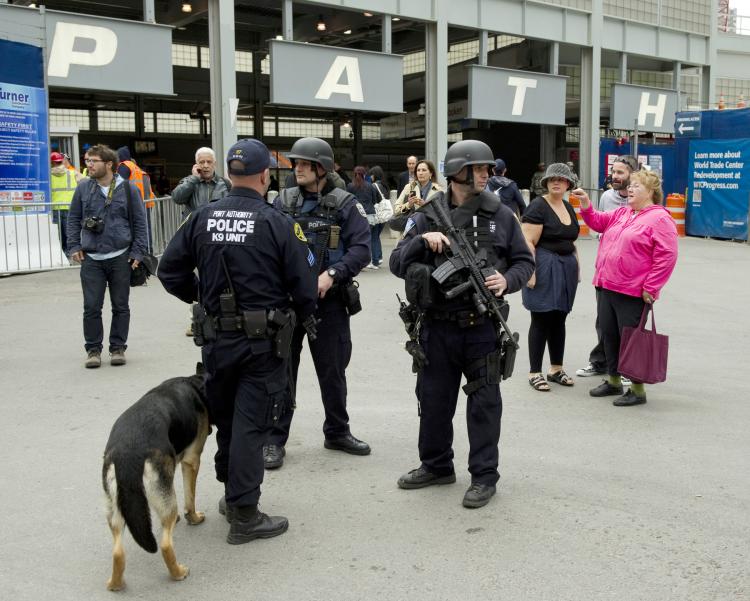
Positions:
{"x": 637, "y": 253}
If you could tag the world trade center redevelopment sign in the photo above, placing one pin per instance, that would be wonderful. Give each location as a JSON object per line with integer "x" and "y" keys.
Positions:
{"x": 521, "y": 96}
{"x": 335, "y": 78}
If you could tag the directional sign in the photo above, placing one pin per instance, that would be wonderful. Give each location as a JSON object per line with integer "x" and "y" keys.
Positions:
{"x": 521, "y": 96}
{"x": 688, "y": 124}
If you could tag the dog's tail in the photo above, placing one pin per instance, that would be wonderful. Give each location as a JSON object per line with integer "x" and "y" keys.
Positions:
{"x": 132, "y": 501}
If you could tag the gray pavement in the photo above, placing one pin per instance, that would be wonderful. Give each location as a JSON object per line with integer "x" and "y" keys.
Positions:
{"x": 595, "y": 502}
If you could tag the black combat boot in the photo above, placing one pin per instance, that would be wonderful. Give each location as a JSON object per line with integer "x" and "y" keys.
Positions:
{"x": 247, "y": 523}
{"x": 223, "y": 510}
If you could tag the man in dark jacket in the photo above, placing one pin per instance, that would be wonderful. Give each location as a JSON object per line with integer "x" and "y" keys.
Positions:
{"x": 107, "y": 236}
{"x": 506, "y": 189}
{"x": 407, "y": 176}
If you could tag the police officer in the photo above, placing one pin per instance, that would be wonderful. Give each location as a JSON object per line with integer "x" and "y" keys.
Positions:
{"x": 253, "y": 266}
{"x": 338, "y": 235}
{"x": 454, "y": 339}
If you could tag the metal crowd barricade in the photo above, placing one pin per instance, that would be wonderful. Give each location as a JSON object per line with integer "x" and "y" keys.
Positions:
{"x": 31, "y": 234}
{"x": 163, "y": 219}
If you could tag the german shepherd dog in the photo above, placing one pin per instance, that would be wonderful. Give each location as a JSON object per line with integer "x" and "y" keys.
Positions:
{"x": 167, "y": 426}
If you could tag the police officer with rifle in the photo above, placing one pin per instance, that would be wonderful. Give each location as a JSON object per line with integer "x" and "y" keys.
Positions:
{"x": 338, "y": 235}
{"x": 460, "y": 254}
{"x": 256, "y": 280}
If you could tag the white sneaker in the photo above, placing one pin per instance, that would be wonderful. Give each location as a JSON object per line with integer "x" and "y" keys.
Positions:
{"x": 625, "y": 381}
{"x": 372, "y": 266}
{"x": 590, "y": 370}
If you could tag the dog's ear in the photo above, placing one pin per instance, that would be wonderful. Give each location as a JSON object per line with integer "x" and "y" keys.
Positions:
{"x": 199, "y": 369}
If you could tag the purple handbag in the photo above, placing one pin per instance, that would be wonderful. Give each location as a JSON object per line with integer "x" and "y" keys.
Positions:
{"x": 643, "y": 353}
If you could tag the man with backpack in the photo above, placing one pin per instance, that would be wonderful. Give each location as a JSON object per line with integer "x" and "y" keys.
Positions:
{"x": 506, "y": 189}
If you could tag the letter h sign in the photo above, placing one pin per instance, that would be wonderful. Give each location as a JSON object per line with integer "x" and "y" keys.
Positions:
{"x": 657, "y": 110}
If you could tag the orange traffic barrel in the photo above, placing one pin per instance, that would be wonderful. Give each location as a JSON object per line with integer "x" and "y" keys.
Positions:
{"x": 676, "y": 208}
{"x": 584, "y": 229}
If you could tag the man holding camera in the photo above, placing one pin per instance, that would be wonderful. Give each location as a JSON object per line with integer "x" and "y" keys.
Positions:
{"x": 107, "y": 236}
{"x": 338, "y": 235}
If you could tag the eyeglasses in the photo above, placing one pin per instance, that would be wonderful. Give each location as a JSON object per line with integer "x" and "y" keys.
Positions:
{"x": 92, "y": 161}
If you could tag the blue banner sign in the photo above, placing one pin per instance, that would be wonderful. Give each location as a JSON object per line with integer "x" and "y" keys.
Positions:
{"x": 718, "y": 188}
{"x": 24, "y": 154}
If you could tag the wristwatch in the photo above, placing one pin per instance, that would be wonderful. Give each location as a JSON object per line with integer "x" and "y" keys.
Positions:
{"x": 333, "y": 273}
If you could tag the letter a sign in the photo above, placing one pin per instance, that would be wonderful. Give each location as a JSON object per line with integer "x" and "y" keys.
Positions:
{"x": 348, "y": 65}
{"x": 324, "y": 76}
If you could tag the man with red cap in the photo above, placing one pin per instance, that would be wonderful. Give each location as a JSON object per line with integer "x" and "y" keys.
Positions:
{"x": 62, "y": 183}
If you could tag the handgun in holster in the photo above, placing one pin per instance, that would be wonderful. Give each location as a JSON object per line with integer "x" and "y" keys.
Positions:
{"x": 203, "y": 326}
{"x": 282, "y": 324}
{"x": 507, "y": 355}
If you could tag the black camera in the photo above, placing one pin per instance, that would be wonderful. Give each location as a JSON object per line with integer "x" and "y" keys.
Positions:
{"x": 94, "y": 225}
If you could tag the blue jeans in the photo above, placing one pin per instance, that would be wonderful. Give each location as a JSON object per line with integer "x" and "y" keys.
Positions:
{"x": 375, "y": 247}
{"x": 95, "y": 277}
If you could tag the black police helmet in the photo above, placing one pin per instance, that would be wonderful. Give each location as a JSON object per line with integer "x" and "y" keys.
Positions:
{"x": 466, "y": 152}
{"x": 314, "y": 150}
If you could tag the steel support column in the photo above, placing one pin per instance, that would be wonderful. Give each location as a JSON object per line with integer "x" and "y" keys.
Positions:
{"x": 287, "y": 20}
{"x": 223, "y": 79}
{"x": 387, "y": 44}
{"x": 591, "y": 66}
{"x": 149, "y": 14}
{"x": 436, "y": 84}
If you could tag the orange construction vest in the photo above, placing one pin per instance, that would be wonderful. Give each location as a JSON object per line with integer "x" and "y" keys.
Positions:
{"x": 142, "y": 181}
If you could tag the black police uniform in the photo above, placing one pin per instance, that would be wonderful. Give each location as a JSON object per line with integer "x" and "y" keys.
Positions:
{"x": 332, "y": 350}
{"x": 455, "y": 340}
{"x": 270, "y": 267}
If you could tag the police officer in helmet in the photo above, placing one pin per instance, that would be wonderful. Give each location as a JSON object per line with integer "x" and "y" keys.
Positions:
{"x": 338, "y": 235}
{"x": 254, "y": 272}
{"x": 456, "y": 340}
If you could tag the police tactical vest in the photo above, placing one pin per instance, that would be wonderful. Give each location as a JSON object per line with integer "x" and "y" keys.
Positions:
{"x": 476, "y": 218}
{"x": 316, "y": 218}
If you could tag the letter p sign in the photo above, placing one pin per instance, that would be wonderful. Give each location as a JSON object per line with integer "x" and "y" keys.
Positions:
{"x": 101, "y": 47}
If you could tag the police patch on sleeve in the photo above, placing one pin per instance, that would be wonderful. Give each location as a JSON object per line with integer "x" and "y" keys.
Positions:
{"x": 361, "y": 210}
{"x": 299, "y": 233}
{"x": 409, "y": 224}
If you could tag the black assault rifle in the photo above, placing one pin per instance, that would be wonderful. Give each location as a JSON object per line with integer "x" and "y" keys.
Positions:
{"x": 460, "y": 256}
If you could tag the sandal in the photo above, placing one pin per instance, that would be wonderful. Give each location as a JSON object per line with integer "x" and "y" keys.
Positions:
{"x": 560, "y": 377}
{"x": 537, "y": 383}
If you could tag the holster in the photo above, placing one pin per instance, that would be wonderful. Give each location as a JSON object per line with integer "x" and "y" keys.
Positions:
{"x": 282, "y": 324}
{"x": 203, "y": 326}
{"x": 499, "y": 365}
{"x": 350, "y": 296}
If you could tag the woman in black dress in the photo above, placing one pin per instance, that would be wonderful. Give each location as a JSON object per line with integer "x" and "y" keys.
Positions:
{"x": 551, "y": 229}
